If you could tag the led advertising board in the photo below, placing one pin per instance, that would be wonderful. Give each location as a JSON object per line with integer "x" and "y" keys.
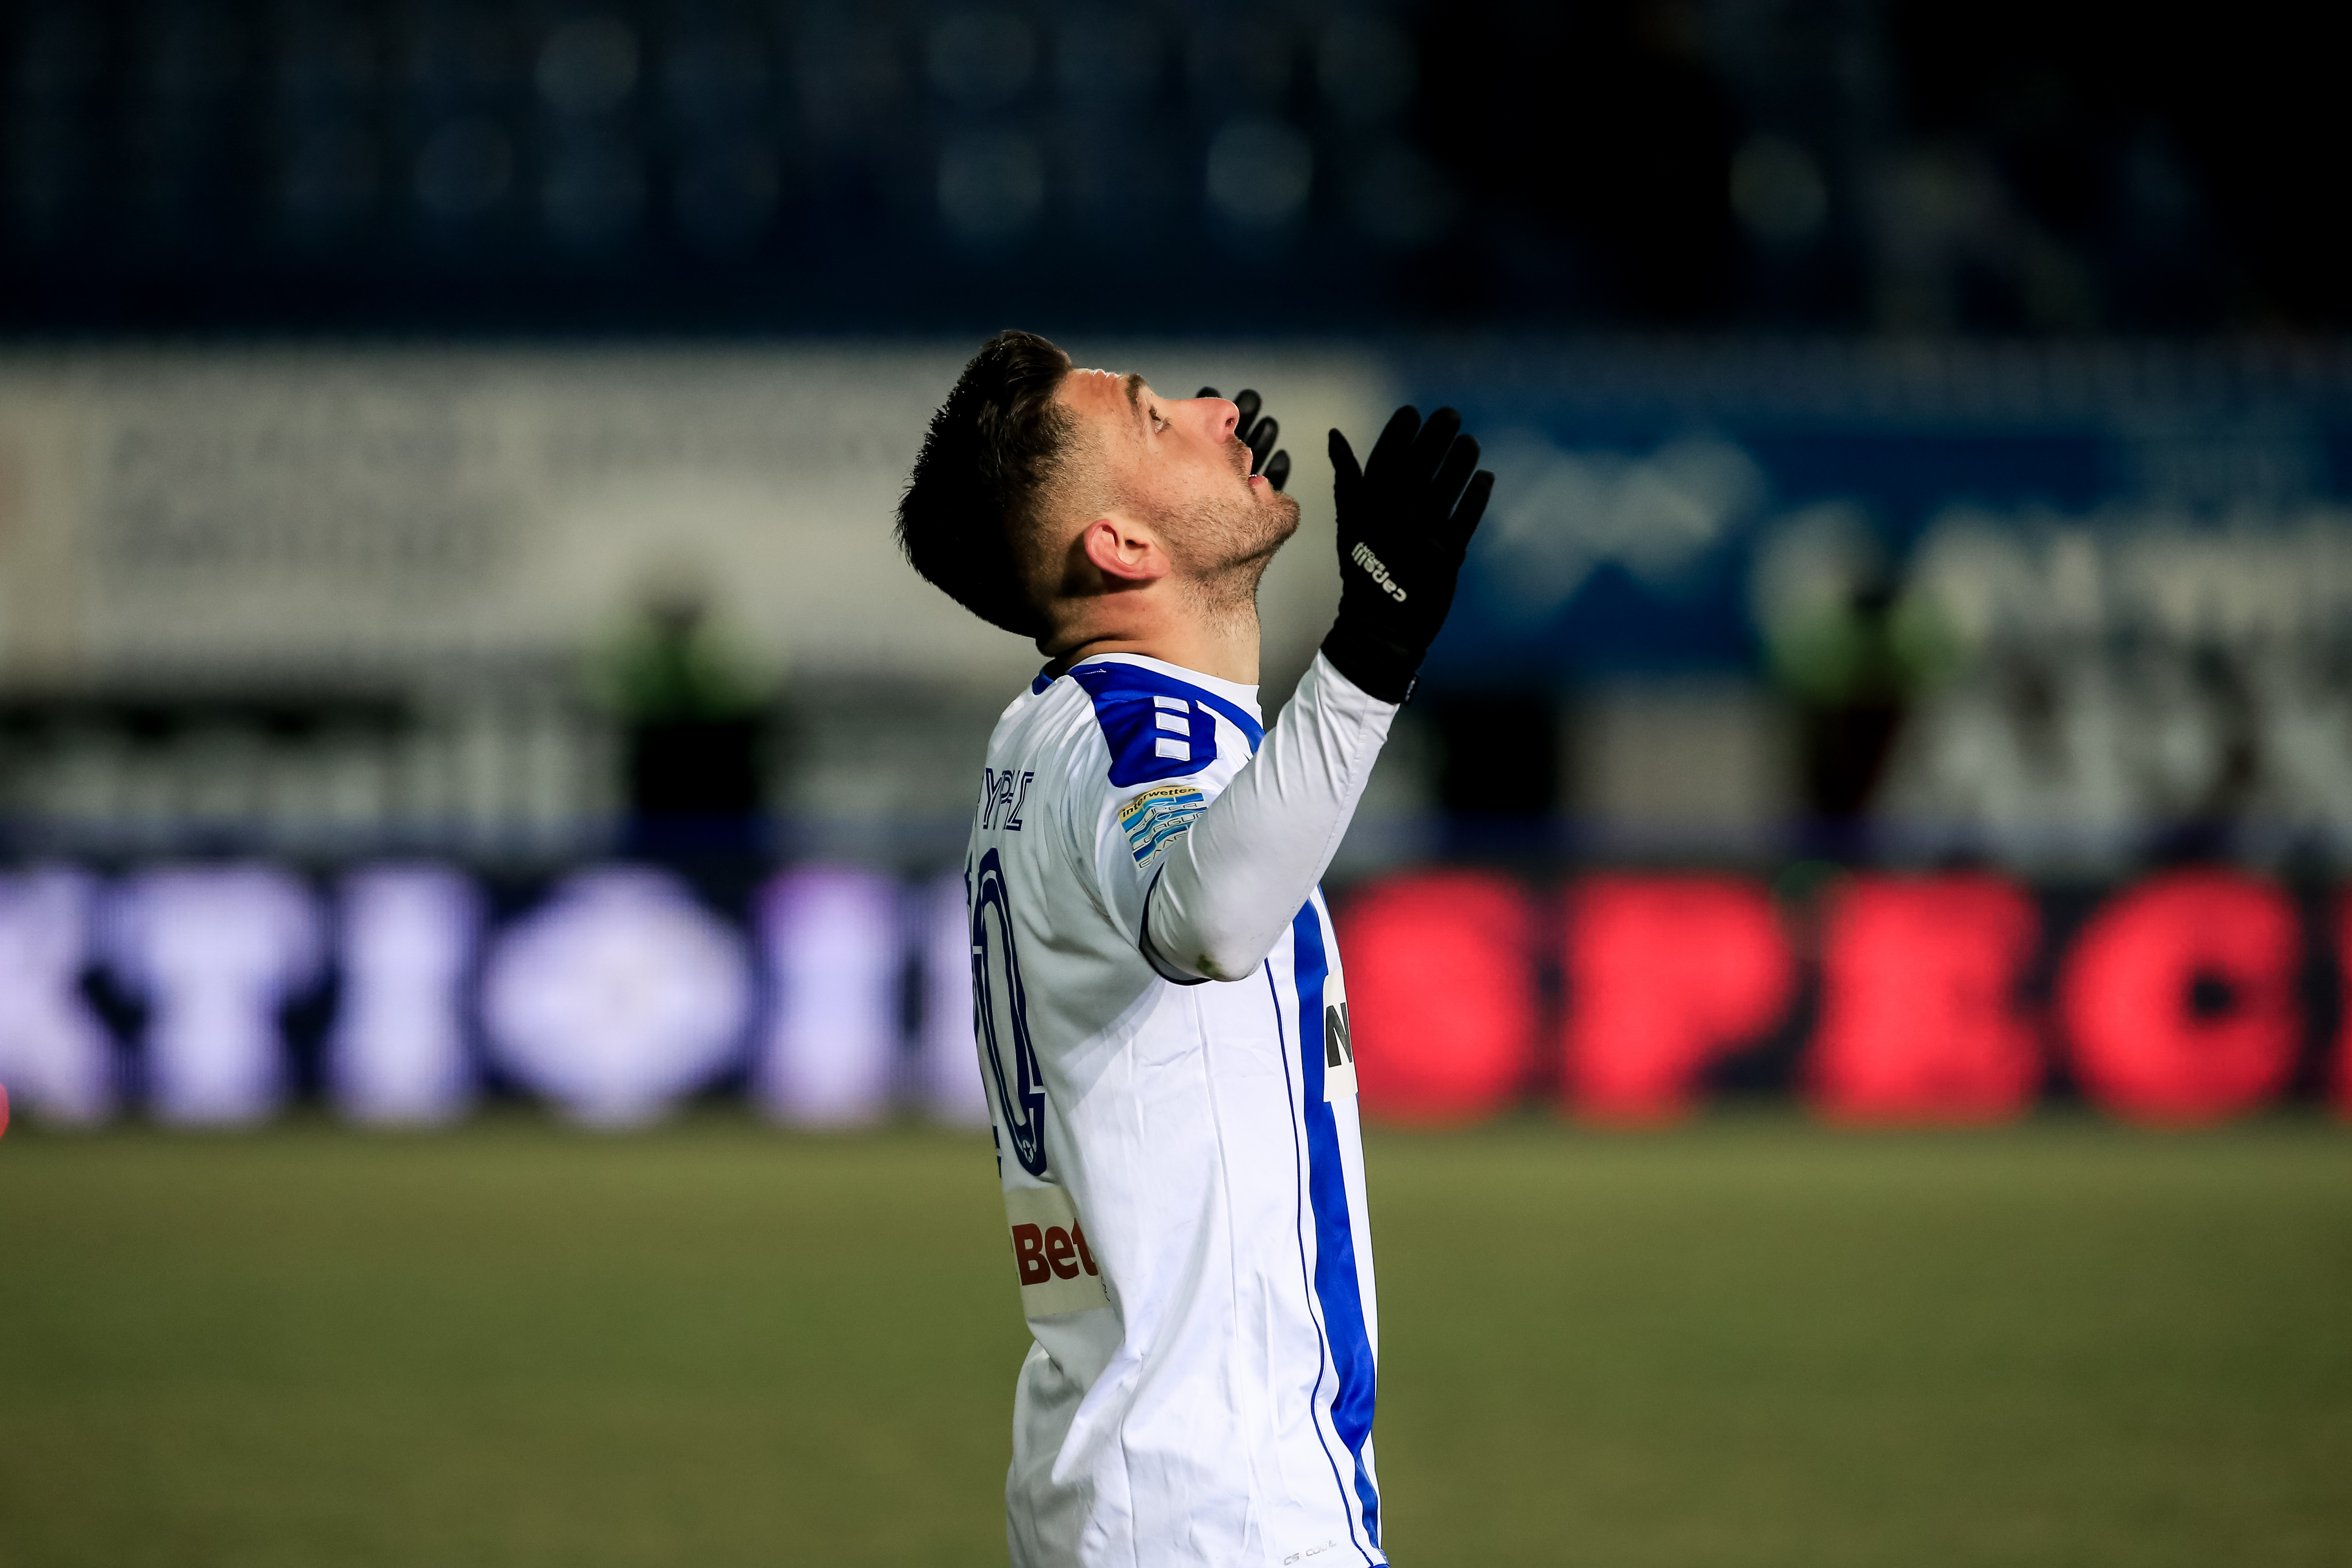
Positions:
{"x": 834, "y": 995}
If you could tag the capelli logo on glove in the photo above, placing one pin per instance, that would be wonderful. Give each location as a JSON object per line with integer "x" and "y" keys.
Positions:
{"x": 1362, "y": 556}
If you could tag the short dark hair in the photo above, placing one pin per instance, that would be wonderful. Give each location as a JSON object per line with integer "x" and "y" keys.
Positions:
{"x": 993, "y": 451}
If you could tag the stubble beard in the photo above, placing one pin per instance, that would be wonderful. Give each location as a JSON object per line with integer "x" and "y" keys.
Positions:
{"x": 1232, "y": 540}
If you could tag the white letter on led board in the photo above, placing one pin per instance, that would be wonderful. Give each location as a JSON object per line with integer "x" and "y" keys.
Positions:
{"x": 830, "y": 1058}
{"x": 56, "y": 1057}
{"x": 617, "y": 995}
{"x": 952, "y": 1083}
{"x": 398, "y": 1051}
{"x": 216, "y": 952}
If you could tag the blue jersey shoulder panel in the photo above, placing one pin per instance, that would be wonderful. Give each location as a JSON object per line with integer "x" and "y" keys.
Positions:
{"x": 1157, "y": 726}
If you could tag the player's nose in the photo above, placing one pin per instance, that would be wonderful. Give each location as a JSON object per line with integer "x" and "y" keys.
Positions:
{"x": 1223, "y": 416}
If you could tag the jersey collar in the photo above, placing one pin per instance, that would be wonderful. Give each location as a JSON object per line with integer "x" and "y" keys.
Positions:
{"x": 1240, "y": 696}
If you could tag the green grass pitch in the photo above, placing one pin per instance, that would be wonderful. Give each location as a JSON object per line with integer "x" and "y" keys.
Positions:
{"x": 1747, "y": 1343}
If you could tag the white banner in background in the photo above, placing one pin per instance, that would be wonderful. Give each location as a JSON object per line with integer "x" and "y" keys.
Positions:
{"x": 384, "y": 510}
{"x": 831, "y": 936}
{"x": 617, "y": 995}
{"x": 398, "y": 1051}
{"x": 56, "y": 1057}
{"x": 216, "y": 952}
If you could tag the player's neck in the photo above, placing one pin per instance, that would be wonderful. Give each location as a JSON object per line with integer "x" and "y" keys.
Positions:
{"x": 1221, "y": 645}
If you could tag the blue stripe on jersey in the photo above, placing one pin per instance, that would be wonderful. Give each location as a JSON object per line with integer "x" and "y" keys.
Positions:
{"x": 1142, "y": 747}
{"x": 1300, "y": 1162}
{"x": 1336, "y": 1282}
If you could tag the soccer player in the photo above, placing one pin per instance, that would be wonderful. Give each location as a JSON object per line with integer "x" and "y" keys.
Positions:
{"x": 1162, "y": 1017}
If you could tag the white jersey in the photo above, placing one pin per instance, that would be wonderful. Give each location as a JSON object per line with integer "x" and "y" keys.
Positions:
{"x": 1182, "y": 1170}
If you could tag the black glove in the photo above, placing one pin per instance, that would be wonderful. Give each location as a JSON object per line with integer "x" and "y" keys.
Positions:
{"x": 1259, "y": 436}
{"x": 1405, "y": 521}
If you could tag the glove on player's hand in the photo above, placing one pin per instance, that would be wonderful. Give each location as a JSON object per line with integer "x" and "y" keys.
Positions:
{"x": 1405, "y": 521}
{"x": 1259, "y": 436}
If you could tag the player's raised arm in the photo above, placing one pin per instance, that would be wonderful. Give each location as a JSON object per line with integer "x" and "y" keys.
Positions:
{"x": 1230, "y": 886}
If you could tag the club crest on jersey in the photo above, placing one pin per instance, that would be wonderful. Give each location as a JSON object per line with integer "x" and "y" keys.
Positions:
{"x": 1157, "y": 815}
{"x": 1001, "y": 1009}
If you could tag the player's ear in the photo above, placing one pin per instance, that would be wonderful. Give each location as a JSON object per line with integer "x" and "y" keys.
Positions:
{"x": 1128, "y": 555}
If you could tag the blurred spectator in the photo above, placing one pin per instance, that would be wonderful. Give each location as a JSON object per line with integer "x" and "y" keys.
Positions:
{"x": 1852, "y": 667}
{"x": 696, "y": 732}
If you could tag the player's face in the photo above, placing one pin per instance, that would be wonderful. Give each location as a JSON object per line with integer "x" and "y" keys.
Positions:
{"x": 1178, "y": 462}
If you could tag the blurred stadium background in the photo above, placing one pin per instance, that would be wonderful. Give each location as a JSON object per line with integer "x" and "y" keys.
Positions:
{"x": 454, "y": 671}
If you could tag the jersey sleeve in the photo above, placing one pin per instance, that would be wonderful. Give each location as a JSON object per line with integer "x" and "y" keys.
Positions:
{"x": 1172, "y": 750}
{"x": 1230, "y": 885}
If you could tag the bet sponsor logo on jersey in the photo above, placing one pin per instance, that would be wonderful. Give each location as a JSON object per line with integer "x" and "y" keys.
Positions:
{"x": 1057, "y": 1268}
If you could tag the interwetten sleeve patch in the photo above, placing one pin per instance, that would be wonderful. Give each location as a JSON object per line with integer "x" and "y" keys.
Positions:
{"x": 1157, "y": 815}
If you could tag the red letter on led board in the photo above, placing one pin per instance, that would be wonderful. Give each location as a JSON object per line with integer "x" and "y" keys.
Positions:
{"x": 1665, "y": 974}
{"x": 2343, "y": 1084}
{"x": 1443, "y": 995}
{"x": 1920, "y": 1021}
{"x": 2179, "y": 997}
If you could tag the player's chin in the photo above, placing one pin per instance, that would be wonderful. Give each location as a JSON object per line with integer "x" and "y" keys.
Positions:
{"x": 1262, "y": 492}
{"x": 1277, "y": 523}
